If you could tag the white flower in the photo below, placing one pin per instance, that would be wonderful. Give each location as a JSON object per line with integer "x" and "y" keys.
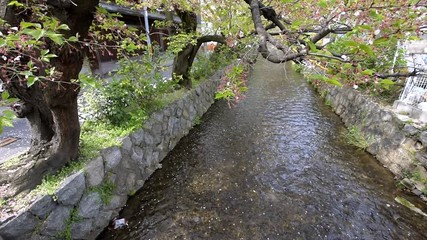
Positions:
{"x": 17, "y": 58}
{"x": 355, "y": 86}
{"x": 357, "y": 13}
{"x": 4, "y": 57}
{"x": 345, "y": 57}
{"x": 377, "y": 32}
{"x": 14, "y": 28}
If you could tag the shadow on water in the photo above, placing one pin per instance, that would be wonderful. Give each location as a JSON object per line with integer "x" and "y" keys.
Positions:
{"x": 274, "y": 167}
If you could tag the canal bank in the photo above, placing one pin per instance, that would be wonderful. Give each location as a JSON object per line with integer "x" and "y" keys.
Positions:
{"x": 274, "y": 167}
{"x": 86, "y": 202}
{"x": 399, "y": 145}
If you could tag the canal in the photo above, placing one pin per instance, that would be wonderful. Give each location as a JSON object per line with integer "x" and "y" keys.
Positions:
{"x": 276, "y": 166}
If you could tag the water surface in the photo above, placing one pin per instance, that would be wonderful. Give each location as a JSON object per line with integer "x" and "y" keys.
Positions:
{"x": 274, "y": 167}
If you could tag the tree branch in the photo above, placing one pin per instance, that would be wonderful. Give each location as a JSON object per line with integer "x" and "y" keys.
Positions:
{"x": 396, "y": 75}
{"x": 328, "y": 57}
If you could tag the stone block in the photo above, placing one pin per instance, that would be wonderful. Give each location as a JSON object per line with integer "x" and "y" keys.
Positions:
{"x": 101, "y": 222}
{"x": 148, "y": 140}
{"x": 81, "y": 229}
{"x": 421, "y": 156}
{"x": 57, "y": 221}
{"x": 137, "y": 154}
{"x": 116, "y": 202}
{"x": 127, "y": 144}
{"x": 423, "y": 138}
{"x": 95, "y": 172}
{"x": 137, "y": 137}
{"x": 157, "y": 116}
{"x": 410, "y": 130}
{"x": 130, "y": 182}
{"x": 71, "y": 190}
{"x": 112, "y": 157}
{"x": 20, "y": 227}
{"x": 42, "y": 206}
{"x": 89, "y": 205}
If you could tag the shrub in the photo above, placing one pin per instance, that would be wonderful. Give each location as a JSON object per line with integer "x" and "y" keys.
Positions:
{"x": 130, "y": 95}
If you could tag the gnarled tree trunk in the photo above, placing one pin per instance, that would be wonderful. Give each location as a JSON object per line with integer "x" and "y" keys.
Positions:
{"x": 51, "y": 106}
{"x": 185, "y": 58}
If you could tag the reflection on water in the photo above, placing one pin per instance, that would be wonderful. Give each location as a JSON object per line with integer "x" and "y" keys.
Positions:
{"x": 274, "y": 167}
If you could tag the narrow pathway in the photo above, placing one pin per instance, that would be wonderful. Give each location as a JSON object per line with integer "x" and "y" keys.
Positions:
{"x": 274, "y": 167}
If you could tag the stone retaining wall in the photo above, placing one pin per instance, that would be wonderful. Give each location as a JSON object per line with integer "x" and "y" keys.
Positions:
{"x": 80, "y": 206}
{"x": 398, "y": 145}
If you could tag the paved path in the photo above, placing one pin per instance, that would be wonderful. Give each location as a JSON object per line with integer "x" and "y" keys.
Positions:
{"x": 21, "y": 132}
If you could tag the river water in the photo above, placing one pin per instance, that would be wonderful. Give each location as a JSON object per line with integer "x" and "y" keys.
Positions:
{"x": 274, "y": 167}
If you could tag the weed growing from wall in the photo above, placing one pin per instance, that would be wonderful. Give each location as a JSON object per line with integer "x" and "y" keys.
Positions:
{"x": 105, "y": 191}
{"x": 355, "y": 137}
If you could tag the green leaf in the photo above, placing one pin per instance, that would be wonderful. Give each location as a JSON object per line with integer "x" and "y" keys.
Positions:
{"x": 387, "y": 82}
{"x": 376, "y": 15}
{"x": 368, "y": 72}
{"x": 334, "y": 81}
{"x": 30, "y": 24}
{"x": 31, "y": 80}
{"x": 350, "y": 43}
{"x": 88, "y": 80}
{"x": 73, "y": 39}
{"x": 5, "y": 95}
{"x": 318, "y": 77}
{"x": 367, "y": 49}
{"x": 35, "y": 33}
{"x": 364, "y": 27}
{"x": 63, "y": 27}
{"x": 296, "y": 24}
{"x": 8, "y": 113}
{"x": 16, "y": 4}
{"x": 322, "y": 4}
{"x": 56, "y": 37}
{"x": 380, "y": 40}
{"x": 313, "y": 47}
{"x": 347, "y": 66}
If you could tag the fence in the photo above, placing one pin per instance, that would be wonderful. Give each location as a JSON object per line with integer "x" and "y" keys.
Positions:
{"x": 415, "y": 90}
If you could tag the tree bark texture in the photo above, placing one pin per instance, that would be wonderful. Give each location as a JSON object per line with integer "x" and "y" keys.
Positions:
{"x": 51, "y": 106}
{"x": 185, "y": 58}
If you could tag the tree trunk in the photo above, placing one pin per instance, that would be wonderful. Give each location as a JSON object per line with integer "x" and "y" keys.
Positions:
{"x": 185, "y": 58}
{"x": 182, "y": 62}
{"x": 51, "y": 106}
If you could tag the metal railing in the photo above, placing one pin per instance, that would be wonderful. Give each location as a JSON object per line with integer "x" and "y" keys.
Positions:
{"x": 415, "y": 90}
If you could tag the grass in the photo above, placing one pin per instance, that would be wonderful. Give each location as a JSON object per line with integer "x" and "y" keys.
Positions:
{"x": 66, "y": 233}
{"x": 99, "y": 135}
{"x": 355, "y": 137}
{"x": 105, "y": 191}
{"x": 197, "y": 120}
{"x": 50, "y": 183}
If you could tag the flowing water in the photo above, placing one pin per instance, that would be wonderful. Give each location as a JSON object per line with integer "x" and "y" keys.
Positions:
{"x": 274, "y": 167}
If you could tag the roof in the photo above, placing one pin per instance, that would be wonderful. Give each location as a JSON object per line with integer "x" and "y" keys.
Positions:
{"x": 111, "y": 7}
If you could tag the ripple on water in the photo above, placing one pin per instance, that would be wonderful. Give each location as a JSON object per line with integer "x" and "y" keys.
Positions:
{"x": 274, "y": 167}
